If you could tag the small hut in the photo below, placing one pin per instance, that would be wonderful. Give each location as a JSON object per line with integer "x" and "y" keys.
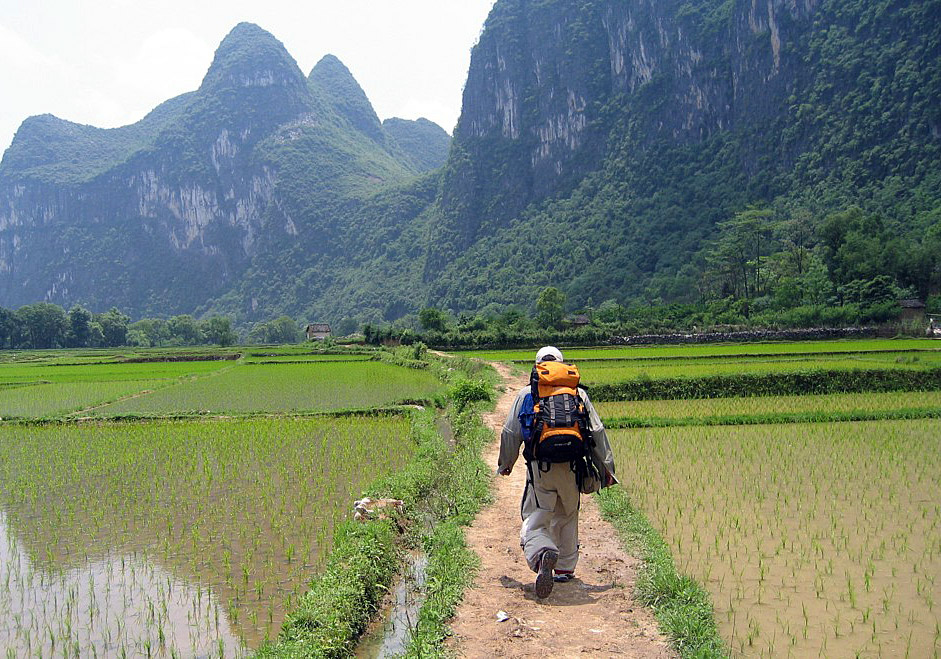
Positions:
{"x": 317, "y": 331}
{"x": 911, "y": 311}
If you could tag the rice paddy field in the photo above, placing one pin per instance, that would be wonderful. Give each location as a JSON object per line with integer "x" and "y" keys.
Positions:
{"x": 813, "y": 537}
{"x": 190, "y": 525}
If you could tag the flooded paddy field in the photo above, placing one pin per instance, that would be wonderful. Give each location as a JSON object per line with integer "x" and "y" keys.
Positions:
{"x": 163, "y": 535}
{"x": 185, "y": 538}
{"x": 812, "y": 539}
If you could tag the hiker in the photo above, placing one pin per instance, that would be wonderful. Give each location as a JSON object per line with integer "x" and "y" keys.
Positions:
{"x": 566, "y": 452}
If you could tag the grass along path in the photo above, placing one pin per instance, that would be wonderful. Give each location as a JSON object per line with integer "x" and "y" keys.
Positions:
{"x": 593, "y": 613}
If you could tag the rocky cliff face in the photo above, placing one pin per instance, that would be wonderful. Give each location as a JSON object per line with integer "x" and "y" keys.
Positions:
{"x": 611, "y": 136}
{"x": 549, "y": 81}
{"x": 161, "y": 216}
{"x": 600, "y": 143}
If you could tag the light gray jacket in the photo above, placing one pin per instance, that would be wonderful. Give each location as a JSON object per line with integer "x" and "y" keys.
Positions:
{"x": 511, "y": 439}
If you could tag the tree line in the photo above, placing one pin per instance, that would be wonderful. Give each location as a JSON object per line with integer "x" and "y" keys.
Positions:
{"x": 46, "y": 325}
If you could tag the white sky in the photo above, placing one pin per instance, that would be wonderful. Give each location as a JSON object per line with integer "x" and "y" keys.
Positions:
{"x": 109, "y": 62}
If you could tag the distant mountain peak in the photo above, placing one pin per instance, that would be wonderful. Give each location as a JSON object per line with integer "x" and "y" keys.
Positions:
{"x": 334, "y": 82}
{"x": 252, "y": 57}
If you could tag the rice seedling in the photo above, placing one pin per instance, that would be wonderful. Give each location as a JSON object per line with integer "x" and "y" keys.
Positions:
{"x": 768, "y": 405}
{"x": 316, "y": 386}
{"x": 821, "y": 538}
{"x": 179, "y": 538}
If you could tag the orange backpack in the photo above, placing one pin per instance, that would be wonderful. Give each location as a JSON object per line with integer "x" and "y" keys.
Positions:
{"x": 560, "y": 422}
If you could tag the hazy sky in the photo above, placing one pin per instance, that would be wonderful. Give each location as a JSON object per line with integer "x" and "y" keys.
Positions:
{"x": 108, "y": 62}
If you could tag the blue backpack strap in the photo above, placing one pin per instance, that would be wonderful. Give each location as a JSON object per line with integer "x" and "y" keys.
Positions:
{"x": 527, "y": 417}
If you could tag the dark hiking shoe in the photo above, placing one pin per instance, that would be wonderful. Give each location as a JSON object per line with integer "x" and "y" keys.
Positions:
{"x": 544, "y": 580}
{"x": 563, "y": 577}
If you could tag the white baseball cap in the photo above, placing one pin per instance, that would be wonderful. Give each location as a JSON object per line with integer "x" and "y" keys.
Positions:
{"x": 549, "y": 353}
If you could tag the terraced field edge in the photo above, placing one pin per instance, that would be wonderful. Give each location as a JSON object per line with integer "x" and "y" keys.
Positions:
{"x": 442, "y": 488}
{"x": 769, "y": 384}
{"x": 682, "y": 607}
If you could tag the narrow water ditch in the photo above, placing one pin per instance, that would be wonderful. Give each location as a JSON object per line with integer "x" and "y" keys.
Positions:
{"x": 390, "y": 635}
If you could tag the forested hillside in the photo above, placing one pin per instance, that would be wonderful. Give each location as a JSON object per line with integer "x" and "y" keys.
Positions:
{"x": 161, "y": 217}
{"x": 689, "y": 114}
{"x": 757, "y": 158}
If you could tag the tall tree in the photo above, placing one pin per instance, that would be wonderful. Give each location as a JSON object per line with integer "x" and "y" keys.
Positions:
{"x": 218, "y": 330}
{"x": 45, "y": 324}
{"x": 432, "y": 319}
{"x": 79, "y": 333}
{"x": 550, "y": 306}
{"x": 8, "y": 328}
{"x": 737, "y": 252}
{"x": 113, "y": 327}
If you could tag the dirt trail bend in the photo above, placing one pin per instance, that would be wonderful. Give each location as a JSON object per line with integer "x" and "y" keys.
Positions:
{"x": 593, "y": 613}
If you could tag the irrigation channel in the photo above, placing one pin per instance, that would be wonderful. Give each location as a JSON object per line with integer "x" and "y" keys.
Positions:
{"x": 389, "y": 637}
{"x": 390, "y": 633}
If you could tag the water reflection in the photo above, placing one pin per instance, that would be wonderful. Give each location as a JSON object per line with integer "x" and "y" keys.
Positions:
{"x": 176, "y": 510}
{"x": 118, "y": 606}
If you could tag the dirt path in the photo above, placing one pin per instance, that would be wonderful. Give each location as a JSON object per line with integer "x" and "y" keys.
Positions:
{"x": 593, "y": 613}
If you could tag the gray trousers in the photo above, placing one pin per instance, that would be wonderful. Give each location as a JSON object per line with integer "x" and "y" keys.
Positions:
{"x": 550, "y": 516}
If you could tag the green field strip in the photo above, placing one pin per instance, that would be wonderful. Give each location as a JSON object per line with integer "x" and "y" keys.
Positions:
{"x": 306, "y": 361}
{"x": 56, "y": 399}
{"x": 286, "y": 388}
{"x": 769, "y": 384}
{"x": 714, "y": 349}
{"x": 765, "y": 405}
{"x": 115, "y": 371}
{"x": 748, "y": 355}
{"x": 694, "y": 368}
{"x": 15, "y": 385}
{"x": 773, "y": 419}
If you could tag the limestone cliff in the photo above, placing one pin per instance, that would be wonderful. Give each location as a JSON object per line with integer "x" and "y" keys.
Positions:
{"x": 162, "y": 216}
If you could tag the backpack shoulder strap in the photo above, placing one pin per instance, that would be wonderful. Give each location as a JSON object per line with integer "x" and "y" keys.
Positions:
{"x": 526, "y": 416}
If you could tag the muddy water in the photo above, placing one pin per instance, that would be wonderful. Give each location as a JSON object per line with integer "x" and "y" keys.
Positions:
{"x": 121, "y": 605}
{"x": 391, "y": 636}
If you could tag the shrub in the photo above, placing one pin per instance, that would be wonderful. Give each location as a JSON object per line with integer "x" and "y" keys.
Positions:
{"x": 465, "y": 392}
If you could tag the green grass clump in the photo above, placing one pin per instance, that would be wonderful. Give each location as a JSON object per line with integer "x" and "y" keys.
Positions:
{"x": 682, "y": 607}
{"x": 451, "y": 563}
